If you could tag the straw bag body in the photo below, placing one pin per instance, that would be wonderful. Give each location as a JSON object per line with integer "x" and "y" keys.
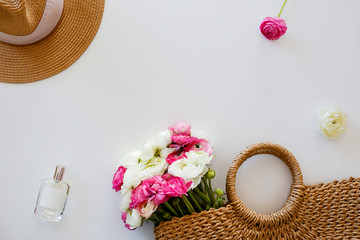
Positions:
{"x": 323, "y": 211}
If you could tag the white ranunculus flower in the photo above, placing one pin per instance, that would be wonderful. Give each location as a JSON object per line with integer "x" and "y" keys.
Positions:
{"x": 132, "y": 178}
{"x": 134, "y": 219}
{"x": 332, "y": 123}
{"x": 143, "y": 170}
{"x": 154, "y": 148}
{"x": 153, "y": 167}
{"x": 148, "y": 151}
{"x": 125, "y": 202}
{"x": 163, "y": 139}
{"x": 130, "y": 159}
{"x": 191, "y": 168}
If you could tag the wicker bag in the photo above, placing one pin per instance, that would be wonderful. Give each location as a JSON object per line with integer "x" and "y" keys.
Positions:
{"x": 323, "y": 211}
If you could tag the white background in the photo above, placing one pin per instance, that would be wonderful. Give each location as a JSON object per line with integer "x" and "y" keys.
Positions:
{"x": 156, "y": 62}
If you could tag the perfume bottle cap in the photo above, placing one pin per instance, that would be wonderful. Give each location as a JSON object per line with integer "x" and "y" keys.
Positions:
{"x": 59, "y": 173}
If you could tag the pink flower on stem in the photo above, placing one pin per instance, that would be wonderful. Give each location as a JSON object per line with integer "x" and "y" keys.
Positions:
{"x": 180, "y": 140}
{"x": 180, "y": 127}
{"x": 151, "y": 189}
{"x": 173, "y": 157}
{"x": 199, "y": 145}
{"x": 123, "y": 217}
{"x": 118, "y": 178}
{"x": 196, "y": 144}
{"x": 274, "y": 28}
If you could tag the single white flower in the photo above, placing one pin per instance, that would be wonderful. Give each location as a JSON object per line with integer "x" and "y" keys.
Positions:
{"x": 134, "y": 219}
{"x": 154, "y": 148}
{"x": 332, "y": 123}
{"x": 125, "y": 202}
{"x": 153, "y": 167}
{"x": 148, "y": 151}
{"x": 130, "y": 159}
{"x": 163, "y": 139}
{"x": 133, "y": 177}
{"x": 191, "y": 168}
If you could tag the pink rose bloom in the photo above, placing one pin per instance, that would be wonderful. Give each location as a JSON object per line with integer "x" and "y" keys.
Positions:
{"x": 118, "y": 178}
{"x": 175, "y": 156}
{"x": 199, "y": 145}
{"x": 151, "y": 189}
{"x": 180, "y": 127}
{"x": 176, "y": 186}
{"x": 123, "y": 217}
{"x": 273, "y": 28}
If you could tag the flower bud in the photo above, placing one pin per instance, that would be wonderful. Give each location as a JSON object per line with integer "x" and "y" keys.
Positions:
{"x": 210, "y": 174}
{"x": 220, "y": 201}
{"x": 219, "y": 191}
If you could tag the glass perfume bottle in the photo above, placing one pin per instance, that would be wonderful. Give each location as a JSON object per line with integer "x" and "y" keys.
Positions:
{"x": 52, "y": 197}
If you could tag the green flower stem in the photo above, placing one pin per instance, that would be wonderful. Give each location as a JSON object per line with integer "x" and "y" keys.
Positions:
{"x": 171, "y": 209}
{"x": 161, "y": 210}
{"x": 202, "y": 203}
{"x": 200, "y": 187}
{"x": 209, "y": 192}
{"x": 202, "y": 196}
{"x": 193, "y": 199}
{"x": 180, "y": 210}
{"x": 188, "y": 204}
{"x": 215, "y": 203}
{"x": 154, "y": 221}
{"x": 282, "y": 8}
{"x": 212, "y": 198}
{"x": 156, "y": 217}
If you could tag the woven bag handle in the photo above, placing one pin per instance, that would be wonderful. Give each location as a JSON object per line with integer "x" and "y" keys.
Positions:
{"x": 297, "y": 187}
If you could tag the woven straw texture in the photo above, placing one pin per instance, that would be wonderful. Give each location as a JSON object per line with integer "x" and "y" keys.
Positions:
{"x": 73, "y": 34}
{"x": 323, "y": 211}
{"x": 20, "y": 17}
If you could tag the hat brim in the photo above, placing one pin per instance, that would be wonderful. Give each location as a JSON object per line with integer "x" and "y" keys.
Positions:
{"x": 73, "y": 34}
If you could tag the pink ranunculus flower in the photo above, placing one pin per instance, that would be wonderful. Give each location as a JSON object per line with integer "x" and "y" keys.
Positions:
{"x": 180, "y": 127}
{"x": 175, "y": 186}
{"x": 173, "y": 157}
{"x": 180, "y": 140}
{"x": 118, "y": 178}
{"x": 273, "y": 28}
{"x": 199, "y": 145}
{"x": 123, "y": 217}
{"x": 151, "y": 189}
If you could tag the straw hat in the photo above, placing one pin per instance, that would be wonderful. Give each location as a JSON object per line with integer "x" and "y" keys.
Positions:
{"x": 40, "y": 38}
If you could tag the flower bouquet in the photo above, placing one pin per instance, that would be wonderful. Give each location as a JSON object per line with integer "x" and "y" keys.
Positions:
{"x": 168, "y": 178}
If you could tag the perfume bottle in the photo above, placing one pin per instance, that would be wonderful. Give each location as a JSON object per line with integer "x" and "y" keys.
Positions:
{"x": 52, "y": 197}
